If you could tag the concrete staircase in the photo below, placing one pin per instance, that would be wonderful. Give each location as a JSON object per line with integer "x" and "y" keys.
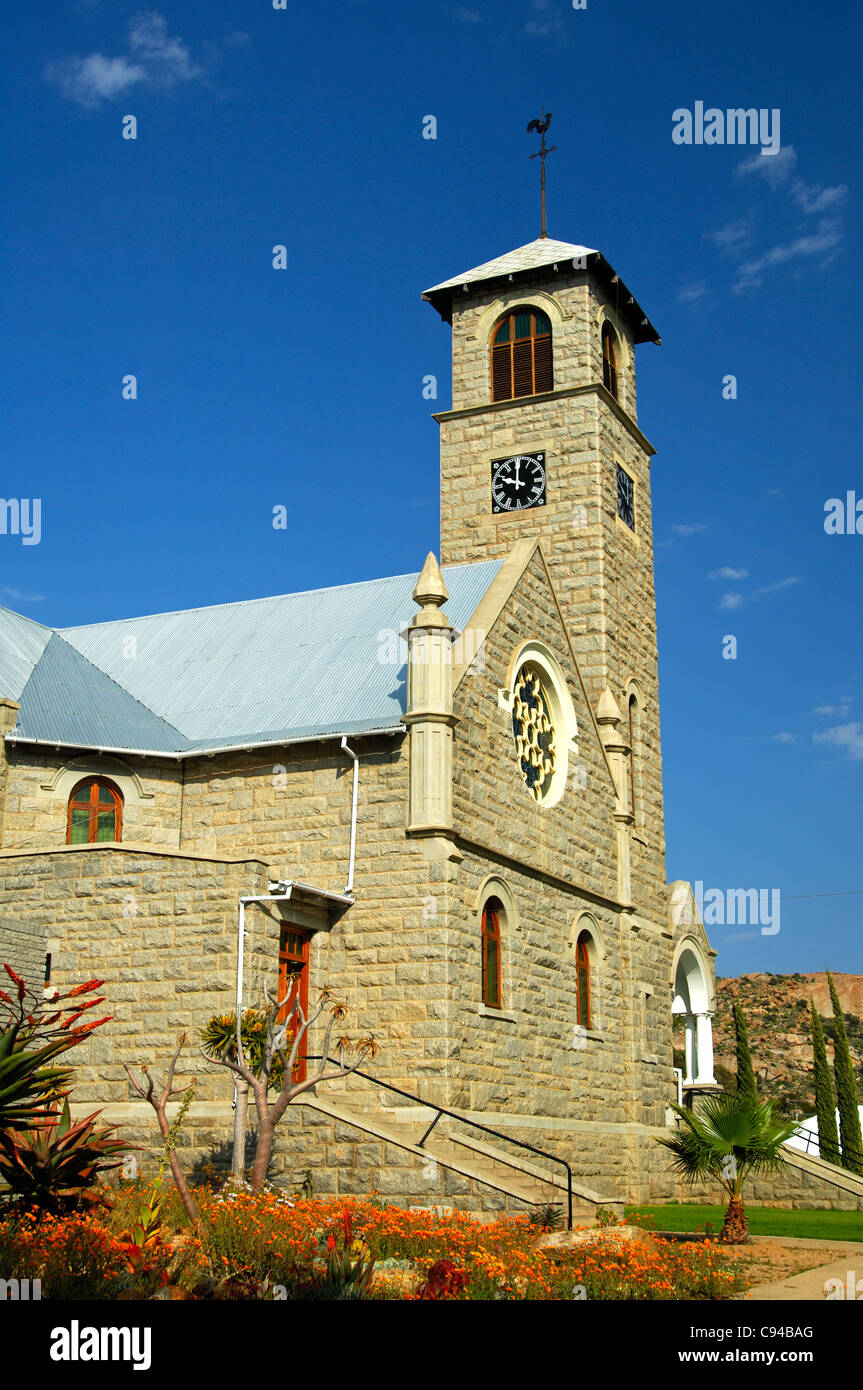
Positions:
{"x": 529, "y": 1180}
{"x": 846, "y": 1183}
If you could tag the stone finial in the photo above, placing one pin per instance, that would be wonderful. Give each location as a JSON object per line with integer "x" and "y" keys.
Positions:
{"x": 608, "y": 710}
{"x": 431, "y": 593}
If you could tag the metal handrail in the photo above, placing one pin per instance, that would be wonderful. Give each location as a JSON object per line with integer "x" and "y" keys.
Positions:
{"x": 454, "y": 1114}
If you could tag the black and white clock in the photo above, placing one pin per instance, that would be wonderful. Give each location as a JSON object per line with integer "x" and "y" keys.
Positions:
{"x": 518, "y": 482}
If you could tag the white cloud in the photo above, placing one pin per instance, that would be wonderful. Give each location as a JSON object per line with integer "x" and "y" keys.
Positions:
{"x": 167, "y": 59}
{"x": 784, "y": 737}
{"x": 776, "y": 587}
{"x": 733, "y": 238}
{"x": 682, "y": 531}
{"x": 775, "y": 168}
{"x": 693, "y": 293}
{"x": 154, "y": 57}
{"x": 89, "y": 81}
{"x": 736, "y": 600}
{"x": 822, "y": 243}
{"x": 726, "y": 572}
{"x": 549, "y": 23}
{"x": 819, "y": 242}
{"x": 466, "y": 16}
{"x": 847, "y": 736}
{"x": 17, "y": 597}
{"x": 844, "y": 708}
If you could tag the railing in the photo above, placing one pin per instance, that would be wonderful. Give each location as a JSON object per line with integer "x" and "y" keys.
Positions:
{"x": 809, "y": 1138}
{"x": 453, "y": 1114}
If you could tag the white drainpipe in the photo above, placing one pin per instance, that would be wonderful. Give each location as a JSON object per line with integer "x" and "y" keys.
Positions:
{"x": 351, "y": 754}
{"x": 241, "y": 941}
{"x": 678, "y": 1076}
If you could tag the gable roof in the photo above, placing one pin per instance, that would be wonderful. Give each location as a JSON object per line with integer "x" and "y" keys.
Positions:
{"x": 22, "y": 642}
{"x": 69, "y": 699}
{"x": 526, "y": 260}
{"x": 321, "y": 663}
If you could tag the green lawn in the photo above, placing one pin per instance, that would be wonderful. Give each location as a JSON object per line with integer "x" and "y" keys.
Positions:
{"x": 763, "y": 1221}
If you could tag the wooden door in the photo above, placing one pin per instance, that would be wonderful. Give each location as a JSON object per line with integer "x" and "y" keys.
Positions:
{"x": 294, "y": 982}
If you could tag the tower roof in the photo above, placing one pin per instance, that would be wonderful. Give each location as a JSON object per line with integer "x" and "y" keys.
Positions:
{"x": 525, "y": 261}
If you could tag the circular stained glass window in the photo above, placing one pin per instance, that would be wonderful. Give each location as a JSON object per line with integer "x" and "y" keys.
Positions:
{"x": 534, "y": 734}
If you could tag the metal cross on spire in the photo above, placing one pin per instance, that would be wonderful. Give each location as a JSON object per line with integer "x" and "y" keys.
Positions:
{"x": 541, "y": 126}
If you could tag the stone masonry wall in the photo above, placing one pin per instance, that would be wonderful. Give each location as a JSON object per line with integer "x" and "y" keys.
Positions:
{"x": 22, "y": 946}
{"x": 40, "y": 781}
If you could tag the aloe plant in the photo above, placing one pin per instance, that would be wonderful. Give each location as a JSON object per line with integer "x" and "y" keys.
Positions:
{"x": 54, "y": 1167}
{"x": 34, "y": 1032}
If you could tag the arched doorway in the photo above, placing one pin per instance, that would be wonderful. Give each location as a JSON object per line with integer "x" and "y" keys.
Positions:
{"x": 691, "y": 998}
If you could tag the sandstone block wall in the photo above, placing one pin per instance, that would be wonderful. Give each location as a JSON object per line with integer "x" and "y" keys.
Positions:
{"x": 22, "y": 946}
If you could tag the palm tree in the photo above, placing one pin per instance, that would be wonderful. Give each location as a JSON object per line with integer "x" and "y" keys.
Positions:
{"x": 728, "y": 1139}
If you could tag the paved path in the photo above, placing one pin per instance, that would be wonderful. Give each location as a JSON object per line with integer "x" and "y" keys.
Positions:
{"x": 808, "y": 1287}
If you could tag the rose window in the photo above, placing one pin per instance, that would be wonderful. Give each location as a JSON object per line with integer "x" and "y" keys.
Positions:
{"x": 534, "y": 733}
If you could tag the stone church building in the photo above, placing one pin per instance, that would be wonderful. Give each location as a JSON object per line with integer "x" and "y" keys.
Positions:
{"x": 439, "y": 794}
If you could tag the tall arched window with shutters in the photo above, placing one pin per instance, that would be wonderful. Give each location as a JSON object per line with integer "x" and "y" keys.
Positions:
{"x": 609, "y": 359}
{"x": 521, "y": 356}
{"x": 491, "y": 983}
{"x": 95, "y": 813}
{"x": 582, "y": 974}
{"x": 634, "y": 768}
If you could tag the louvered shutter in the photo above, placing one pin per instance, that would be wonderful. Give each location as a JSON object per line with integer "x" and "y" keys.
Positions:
{"x": 501, "y": 373}
{"x": 542, "y": 365}
{"x": 522, "y": 368}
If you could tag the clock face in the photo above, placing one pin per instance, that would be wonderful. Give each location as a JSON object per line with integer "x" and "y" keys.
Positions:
{"x": 625, "y": 498}
{"x": 518, "y": 483}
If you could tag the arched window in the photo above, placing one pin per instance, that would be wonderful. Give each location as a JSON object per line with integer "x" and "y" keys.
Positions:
{"x": 634, "y": 769}
{"x": 95, "y": 813}
{"x": 521, "y": 355}
{"x": 609, "y": 360}
{"x": 491, "y": 992}
{"x": 582, "y": 973}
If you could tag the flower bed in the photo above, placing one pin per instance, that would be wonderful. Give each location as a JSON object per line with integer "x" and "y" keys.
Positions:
{"x": 276, "y": 1245}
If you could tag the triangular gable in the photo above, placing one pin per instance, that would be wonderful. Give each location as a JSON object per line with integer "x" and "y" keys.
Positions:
{"x": 488, "y": 612}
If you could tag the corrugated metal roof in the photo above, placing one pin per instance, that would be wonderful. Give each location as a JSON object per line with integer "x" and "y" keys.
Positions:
{"x": 22, "y": 642}
{"x": 301, "y": 665}
{"x": 69, "y": 699}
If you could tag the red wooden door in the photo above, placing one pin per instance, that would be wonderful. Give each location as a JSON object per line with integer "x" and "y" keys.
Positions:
{"x": 294, "y": 982}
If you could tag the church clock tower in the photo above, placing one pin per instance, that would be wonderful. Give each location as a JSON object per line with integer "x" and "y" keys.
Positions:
{"x": 542, "y": 441}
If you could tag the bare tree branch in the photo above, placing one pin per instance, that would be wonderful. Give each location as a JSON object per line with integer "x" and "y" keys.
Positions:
{"x": 168, "y": 1092}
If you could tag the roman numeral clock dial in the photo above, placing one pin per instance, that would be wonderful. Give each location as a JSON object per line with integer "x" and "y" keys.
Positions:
{"x": 518, "y": 483}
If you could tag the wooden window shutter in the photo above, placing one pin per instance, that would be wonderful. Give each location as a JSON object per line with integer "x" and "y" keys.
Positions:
{"x": 522, "y": 368}
{"x": 544, "y": 376}
{"x": 501, "y": 373}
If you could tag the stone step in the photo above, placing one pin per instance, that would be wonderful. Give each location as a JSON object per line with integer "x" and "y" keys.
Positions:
{"x": 479, "y": 1162}
{"x": 555, "y": 1179}
{"x": 552, "y": 1178}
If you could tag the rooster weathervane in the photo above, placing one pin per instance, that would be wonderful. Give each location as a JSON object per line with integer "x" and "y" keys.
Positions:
{"x": 541, "y": 126}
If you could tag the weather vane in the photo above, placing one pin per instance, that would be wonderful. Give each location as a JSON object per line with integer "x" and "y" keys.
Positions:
{"x": 541, "y": 126}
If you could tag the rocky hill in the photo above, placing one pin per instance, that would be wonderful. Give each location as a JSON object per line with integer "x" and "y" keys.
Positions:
{"x": 776, "y": 1008}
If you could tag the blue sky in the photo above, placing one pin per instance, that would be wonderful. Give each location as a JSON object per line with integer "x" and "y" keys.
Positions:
{"x": 256, "y": 388}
